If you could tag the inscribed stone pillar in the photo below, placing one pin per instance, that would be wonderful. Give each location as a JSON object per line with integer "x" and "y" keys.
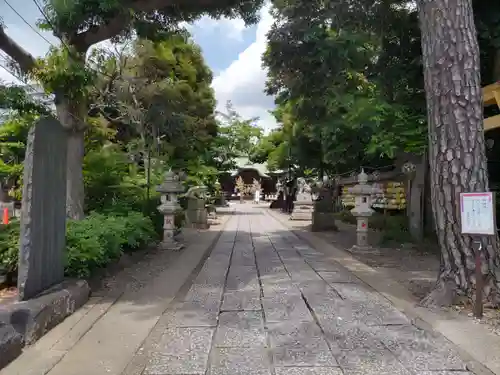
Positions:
{"x": 323, "y": 218}
{"x": 43, "y": 212}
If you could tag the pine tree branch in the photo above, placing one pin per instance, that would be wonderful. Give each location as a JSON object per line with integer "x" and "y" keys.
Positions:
{"x": 98, "y": 33}
{"x": 22, "y": 57}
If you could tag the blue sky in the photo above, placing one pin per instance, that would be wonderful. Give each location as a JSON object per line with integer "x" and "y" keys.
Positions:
{"x": 230, "y": 49}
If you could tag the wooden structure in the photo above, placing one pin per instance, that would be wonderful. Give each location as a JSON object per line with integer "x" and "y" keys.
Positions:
{"x": 249, "y": 172}
{"x": 491, "y": 95}
{"x": 392, "y": 195}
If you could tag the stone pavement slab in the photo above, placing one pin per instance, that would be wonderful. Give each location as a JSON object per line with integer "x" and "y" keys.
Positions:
{"x": 419, "y": 350}
{"x": 284, "y": 306}
{"x": 241, "y": 300}
{"x": 308, "y": 371}
{"x": 371, "y": 361}
{"x": 240, "y": 361}
{"x": 240, "y": 329}
{"x": 181, "y": 351}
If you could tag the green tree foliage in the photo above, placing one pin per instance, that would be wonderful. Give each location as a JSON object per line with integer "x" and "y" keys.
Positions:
{"x": 240, "y": 135}
{"x": 13, "y": 137}
{"x": 86, "y": 22}
{"x": 159, "y": 93}
{"x": 270, "y": 149}
{"x": 376, "y": 47}
{"x": 327, "y": 75}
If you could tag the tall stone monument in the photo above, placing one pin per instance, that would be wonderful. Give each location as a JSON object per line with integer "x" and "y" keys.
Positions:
{"x": 43, "y": 212}
{"x": 304, "y": 205}
{"x": 323, "y": 218}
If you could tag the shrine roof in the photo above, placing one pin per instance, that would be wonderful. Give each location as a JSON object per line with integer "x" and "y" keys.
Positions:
{"x": 243, "y": 162}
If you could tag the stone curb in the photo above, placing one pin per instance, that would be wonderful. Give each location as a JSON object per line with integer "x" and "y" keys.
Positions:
{"x": 23, "y": 323}
{"x": 460, "y": 332}
{"x": 11, "y": 344}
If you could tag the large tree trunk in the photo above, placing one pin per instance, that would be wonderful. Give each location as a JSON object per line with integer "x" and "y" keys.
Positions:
{"x": 456, "y": 142}
{"x": 72, "y": 119}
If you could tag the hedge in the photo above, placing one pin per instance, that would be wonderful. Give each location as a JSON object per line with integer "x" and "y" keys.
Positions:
{"x": 90, "y": 243}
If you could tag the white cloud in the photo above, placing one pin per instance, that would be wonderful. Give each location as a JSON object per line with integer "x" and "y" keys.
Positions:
{"x": 230, "y": 28}
{"x": 243, "y": 81}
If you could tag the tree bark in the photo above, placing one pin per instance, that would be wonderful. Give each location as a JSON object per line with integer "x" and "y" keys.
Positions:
{"x": 456, "y": 143}
{"x": 25, "y": 60}
{"x": 71, "y": 118}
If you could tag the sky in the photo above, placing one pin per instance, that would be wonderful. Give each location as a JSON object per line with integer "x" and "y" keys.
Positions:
{"x": 232, "y": 51}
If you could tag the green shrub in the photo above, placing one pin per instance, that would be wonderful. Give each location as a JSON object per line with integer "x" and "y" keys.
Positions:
{"x": 90, "y": 243}
{"x": 104, "y": 173}
{"x": 96, "y": 241}
{"x": 113, "y": 189}
{"x": 179, "y": 219}
{"x": 9, "y": 248}
{"x": 150, "y": 209}
{"x": 394, "y": 228}
{"x": 346, "y": 217}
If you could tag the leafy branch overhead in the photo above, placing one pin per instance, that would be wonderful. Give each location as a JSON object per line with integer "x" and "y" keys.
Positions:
{"x": 83, "y": 23}
{"x": 16, "y": 98}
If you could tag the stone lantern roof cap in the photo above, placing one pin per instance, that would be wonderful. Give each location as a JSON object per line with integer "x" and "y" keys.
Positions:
{"x": 171, "y": 184}
{"x": 362, "y": 187}
{"x": 362, "y": 177}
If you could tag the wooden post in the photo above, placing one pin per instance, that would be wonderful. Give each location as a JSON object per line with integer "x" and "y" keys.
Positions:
{"x": 478, "y": 305}
{"x": 478, "y": 219}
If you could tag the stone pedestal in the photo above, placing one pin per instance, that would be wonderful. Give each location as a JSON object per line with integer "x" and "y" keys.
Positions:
{"x": 362, "y": 231}
{"x": 170, "y": 189}
{"x": 304, "y": 206}
{"x": 196, "y": 213}
{"x": 169, "y": 241}
{"x": 303, "y": 210}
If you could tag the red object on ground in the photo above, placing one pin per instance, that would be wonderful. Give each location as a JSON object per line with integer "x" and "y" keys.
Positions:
{"x": 5, "y": 218}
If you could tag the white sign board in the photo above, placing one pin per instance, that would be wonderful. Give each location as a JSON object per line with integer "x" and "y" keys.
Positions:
{"x": 477, "y": 213}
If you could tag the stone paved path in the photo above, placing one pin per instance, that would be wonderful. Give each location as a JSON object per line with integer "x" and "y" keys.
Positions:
{"x": 266, "y": 303}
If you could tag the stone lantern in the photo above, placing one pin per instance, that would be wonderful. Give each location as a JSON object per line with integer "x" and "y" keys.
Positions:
{"x": 362, "y": 207}
{"x": 170, "y": 189}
